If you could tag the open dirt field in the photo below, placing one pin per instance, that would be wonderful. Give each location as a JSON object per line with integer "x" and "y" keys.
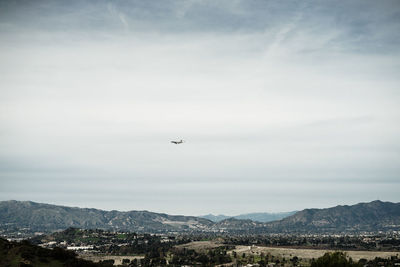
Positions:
{"x": 310, "y": 253}
{"x": 117, "y": 259}
{"x": 200, "y": 245}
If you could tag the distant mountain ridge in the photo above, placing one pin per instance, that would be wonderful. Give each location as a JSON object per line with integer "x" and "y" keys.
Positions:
{"x": 46, "y": 217}
{"x": 372, "y": 216}
{"x": 215, "y": 218}
{"x": 255, "y": 216}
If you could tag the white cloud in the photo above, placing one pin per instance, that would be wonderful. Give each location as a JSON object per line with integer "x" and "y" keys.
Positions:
{"x": 284, "y": 107}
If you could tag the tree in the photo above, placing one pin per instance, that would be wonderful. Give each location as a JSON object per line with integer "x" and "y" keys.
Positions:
{"x": 134, "y": 263}
{"x": 294, "y": 260}
{"x": 336, "y": 259}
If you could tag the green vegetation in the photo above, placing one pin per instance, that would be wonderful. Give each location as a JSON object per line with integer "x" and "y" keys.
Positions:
{"x": 336, "y": 259}
{"x": 340, "y": 259}
{"x": 375, "y": 242}
{"x": 121, "y": 236}
{"x": 210, "y": 257}
{"x": 25, "y": 254}
{"x": 112, "y": 243}
{"x": 157, "y": 253}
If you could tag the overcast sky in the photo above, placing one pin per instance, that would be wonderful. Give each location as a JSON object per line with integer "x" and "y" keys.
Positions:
{"x": 284, "y": 105}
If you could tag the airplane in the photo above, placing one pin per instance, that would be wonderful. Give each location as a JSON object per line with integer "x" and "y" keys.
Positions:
{"x": 177, "y": 142}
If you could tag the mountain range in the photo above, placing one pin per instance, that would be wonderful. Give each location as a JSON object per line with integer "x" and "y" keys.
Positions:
{"x": 46, "y": 217}
{"x": 372, "y": 216}
{"x": 256, "y": 216}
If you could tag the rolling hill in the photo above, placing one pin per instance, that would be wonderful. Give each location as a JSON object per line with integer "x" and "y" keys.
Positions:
{"x": 26, "y": 254}
{"x": 47, "y": 218}
{"x": 372, "y": 216}
{"x": 255, "y": 216}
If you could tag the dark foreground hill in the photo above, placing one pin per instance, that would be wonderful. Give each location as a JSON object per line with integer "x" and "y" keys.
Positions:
{"x": 373, "y": 216}
{"x": 26, "y": 254}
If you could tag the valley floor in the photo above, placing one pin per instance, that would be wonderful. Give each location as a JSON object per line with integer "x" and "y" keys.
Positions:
{"x": 309, "y": 254}
{"x": 117, "y": 259}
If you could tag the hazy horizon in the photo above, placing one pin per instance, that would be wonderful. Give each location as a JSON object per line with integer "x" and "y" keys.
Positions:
{"x": 284, "y": 105}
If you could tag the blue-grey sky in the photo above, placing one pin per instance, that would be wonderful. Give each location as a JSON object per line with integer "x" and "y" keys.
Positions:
{"x": 284, "y": 105}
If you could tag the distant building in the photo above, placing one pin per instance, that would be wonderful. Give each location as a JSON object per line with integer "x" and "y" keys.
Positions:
{"x": 80, "y": 248}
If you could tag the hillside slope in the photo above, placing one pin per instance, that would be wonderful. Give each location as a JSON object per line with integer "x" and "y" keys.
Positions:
{"x": 25, "y": 254}
{"x": 372, "y": 216}
{"x": 46, "y": 217}
{"x": 255, "y": 216}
